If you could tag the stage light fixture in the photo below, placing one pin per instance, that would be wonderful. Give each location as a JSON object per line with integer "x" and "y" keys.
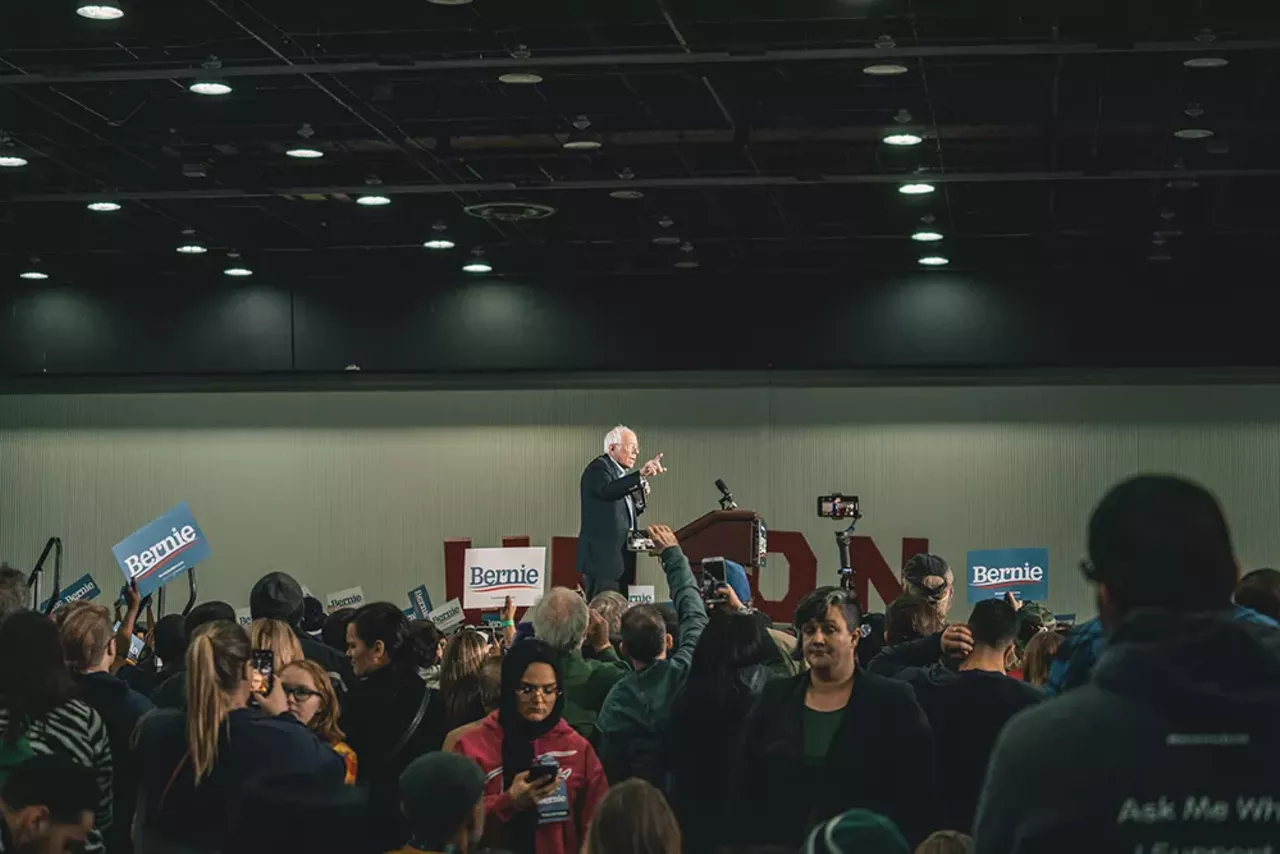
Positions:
{"x": 373, "y": 201}
{"x": 210, "y": 87}
{"x": 915, "y": 189}
{"x": 34, "y": 275}
{"x": 302, "y": 153}
{"x": 926, "y": 236}
{"x": 9, "y": 160}
{"x": 439, "y": 239}
{"x": 884, "y": 69}
{"x": 237, "y": 272}
{"x": 191, "y": 249}
{"x": 903, "y": 139}
{"x": 478, "y": 263}
{"x": 103, "y": 207}
{"x": 935, "y": 260}
{"x": 100, "y": 10}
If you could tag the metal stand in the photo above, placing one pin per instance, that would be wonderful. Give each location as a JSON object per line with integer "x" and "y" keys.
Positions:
{"x": 35, "y": 583}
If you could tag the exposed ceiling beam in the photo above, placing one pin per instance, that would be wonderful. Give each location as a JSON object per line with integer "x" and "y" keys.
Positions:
{"x": 728, "y": 182}
{"x": 503, "y": 63}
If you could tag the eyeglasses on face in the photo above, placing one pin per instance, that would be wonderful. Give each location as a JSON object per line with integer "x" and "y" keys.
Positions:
{"x": 299, "y": 693}
{"x": 524, "y": 689}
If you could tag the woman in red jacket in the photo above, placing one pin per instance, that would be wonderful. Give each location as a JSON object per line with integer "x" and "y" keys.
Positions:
{"x": 538, "y": 816}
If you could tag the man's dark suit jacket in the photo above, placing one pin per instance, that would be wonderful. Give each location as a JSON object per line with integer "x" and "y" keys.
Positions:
{"x": 605, "y": 521}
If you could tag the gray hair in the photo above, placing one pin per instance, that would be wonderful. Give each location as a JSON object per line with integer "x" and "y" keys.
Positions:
{"x": 560, "y": 619}
{"x": 614, "y": 436}
{"x": 611, "y": 605}
{"x": 13, "y": 590}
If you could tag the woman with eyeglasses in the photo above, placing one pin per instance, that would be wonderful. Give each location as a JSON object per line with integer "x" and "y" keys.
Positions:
{"x": 543, "y": 779}
{"x": 314, "y": 703}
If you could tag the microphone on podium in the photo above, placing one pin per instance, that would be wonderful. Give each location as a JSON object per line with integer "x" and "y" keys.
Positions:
{"x": 726, "y": 497}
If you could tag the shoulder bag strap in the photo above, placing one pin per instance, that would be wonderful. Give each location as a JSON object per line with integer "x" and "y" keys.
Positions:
{"x": 415, "y": 723}
{"x": 172, "y": 778}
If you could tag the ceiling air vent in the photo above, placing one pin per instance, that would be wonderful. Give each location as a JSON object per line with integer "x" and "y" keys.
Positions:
{"x": 509, "y": 211}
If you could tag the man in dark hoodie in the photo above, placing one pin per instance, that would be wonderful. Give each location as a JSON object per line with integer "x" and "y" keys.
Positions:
{"x": 1172, "y": 746}
{"x": 172, "y": 692}
{"x": 967, "y": 707}
{"x": 278, "y": 596}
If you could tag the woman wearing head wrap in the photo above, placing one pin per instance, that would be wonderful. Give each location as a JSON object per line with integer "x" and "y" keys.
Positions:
{"x": 543, "y": 780}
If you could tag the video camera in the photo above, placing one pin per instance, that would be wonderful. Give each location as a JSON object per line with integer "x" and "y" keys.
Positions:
{"x": 840, "y": 506}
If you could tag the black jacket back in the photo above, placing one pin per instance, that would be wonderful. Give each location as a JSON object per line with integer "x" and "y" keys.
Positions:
{"x": 966, "y": 710}
{"x": 881, "y": 758}
{"x": 1173, "y": 745}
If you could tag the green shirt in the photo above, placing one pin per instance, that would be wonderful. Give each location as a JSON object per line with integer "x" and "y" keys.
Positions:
{"x": 819, "y": 731}
{"x": 586, "y": 684}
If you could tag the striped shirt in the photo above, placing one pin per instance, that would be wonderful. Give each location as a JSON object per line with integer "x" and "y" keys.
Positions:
{"x": 75, "y": 730}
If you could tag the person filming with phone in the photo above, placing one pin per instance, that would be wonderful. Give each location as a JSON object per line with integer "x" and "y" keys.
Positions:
{"x": 543, "y": 780}
{"x": 194, "y": 762}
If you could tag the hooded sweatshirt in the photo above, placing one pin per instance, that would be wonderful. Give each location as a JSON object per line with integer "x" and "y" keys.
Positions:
{"x": 1172, "y": 747}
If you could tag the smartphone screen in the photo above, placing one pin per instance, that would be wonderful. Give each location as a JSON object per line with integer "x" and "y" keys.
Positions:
{"x": 714, "y": 567}
{"x": 540, "y": 773}
{"x": 263, "y": 664}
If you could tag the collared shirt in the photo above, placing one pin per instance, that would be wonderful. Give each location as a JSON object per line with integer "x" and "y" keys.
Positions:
{"x": 631, "y": 506}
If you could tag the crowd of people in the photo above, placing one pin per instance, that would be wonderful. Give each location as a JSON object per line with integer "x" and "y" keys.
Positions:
{"x": 699, "y": 726}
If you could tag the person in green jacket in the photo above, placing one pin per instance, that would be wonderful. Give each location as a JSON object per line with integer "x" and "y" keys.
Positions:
{"x": 562, "y": 619}
{"x": 634, "y": 718}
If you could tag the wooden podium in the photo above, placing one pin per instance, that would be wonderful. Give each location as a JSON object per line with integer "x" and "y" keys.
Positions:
{"x": 737, "y": 535}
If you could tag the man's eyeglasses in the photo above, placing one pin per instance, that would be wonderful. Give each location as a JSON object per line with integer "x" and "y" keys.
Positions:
{"x": 526, "y": 690}
{"x": 297, "y": 692}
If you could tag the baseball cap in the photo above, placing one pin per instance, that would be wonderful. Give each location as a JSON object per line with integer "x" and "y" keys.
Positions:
{"x": 438, "y": 791}
{"x": 276, "y": 596}
{"x": 927, "y": 575}
{"x": 736, "y": 577}
{"x": 858, "y": 831}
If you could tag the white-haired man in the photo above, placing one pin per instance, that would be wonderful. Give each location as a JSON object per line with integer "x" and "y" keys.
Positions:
{"x": 612, "y": 500}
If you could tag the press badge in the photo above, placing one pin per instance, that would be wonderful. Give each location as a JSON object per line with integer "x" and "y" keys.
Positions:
{"x": 555, "y": 806}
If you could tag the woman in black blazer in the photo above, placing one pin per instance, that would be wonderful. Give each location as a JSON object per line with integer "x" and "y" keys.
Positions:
{"x": 833, "y": 738}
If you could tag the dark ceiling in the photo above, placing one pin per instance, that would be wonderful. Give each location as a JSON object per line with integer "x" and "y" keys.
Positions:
{"x": 749, "y": 128}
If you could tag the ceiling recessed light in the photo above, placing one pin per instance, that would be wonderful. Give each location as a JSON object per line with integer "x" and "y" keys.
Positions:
{"x": 210, "y": 87}
{"x": 626, "y": 194}
{"x": 102, "y": 207}
{"x": 520, "y": 78}
{"x": 1205, "y": 62}
{"x": 439, "y": 243}
{"x": 305, "y": 153}
{"x": 12, "y": 161}
{"x": 35, "y": 275}
{"x": 903, "y": 139}
{"x": 191, "y": 249}
{"x": 238, "y": 272}
{"x": 926, "y": 236}
{"x": 915, "y": 189}
{"x": 101, "y": 10}
{"x": 1193, "y": 133}
{"x": 373, "y": 201}
{"x": 884, "y": 69}
{"x": 935, "y": 260}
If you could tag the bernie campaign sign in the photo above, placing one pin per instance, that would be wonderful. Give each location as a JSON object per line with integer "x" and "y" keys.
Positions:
{"x": 419, "y": 603}
{"x": 83, "y": 588}
{"x": 161, "y": 550}
{"x": 494, "y": 574}
{"x": 352, "y": 597}
{"x": 995, "y": 572}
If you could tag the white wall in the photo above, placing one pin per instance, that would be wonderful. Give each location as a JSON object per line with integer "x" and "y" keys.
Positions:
{"x": 342, "y": 488}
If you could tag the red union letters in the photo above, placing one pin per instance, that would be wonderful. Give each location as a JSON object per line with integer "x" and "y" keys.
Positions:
{"x": 871, "y": 569}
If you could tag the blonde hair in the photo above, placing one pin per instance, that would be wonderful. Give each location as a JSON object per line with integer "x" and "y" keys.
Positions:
{"x": 277, "y": 636}
{"x": 85, "y": 631}
{"x": 216, "y": 663}
{"x": 464, "y": 655}
{"x": 1038, "y": 656}
{"x": 946, "y": 842}
{"x": 325, "y": 723}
